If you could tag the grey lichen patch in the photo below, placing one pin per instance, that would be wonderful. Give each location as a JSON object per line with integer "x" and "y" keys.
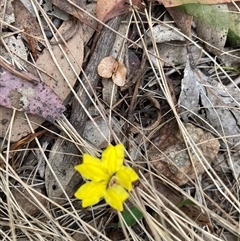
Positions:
{"x": 26, "y": 93}
{"x": 15, "y": 98}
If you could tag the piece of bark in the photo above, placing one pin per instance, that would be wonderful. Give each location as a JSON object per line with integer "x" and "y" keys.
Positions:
{"x": 63, "y": 164}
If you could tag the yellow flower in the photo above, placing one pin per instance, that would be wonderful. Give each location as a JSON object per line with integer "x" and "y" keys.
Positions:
{"x": 108, "y": 178}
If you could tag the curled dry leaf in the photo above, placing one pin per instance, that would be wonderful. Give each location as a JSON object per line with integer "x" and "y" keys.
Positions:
{"x": 36, "y": 99}
{"x": 109, "y": 67}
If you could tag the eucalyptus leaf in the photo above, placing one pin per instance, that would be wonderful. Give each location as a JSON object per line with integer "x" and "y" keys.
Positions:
{"x": 234, "y": 27}
{"x": 212, "y": 24}
{"x": 213, "y": 15}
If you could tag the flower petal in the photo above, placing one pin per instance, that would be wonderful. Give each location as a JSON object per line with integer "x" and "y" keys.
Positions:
{"x": 115, "y": 196}
{"x": 125, "y": 176}
{"x": 112, "y": 158}
{"x": 90, "y": 193}
{"x": 92, "y": 169}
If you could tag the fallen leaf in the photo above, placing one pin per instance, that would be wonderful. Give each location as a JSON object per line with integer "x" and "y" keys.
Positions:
{"x": 68, "y": 7}
{"x": 26, "y": 19}
{"x": 27, "y": 139}
{"x": 53, "y": 10}
{"x": 162, "y": 33}
{"x": 175, "y": 3}
{"x": 175, "y": 53}
{"x": 176, "y": 163}
{"x": 17, "y": 46}
{"x": 89, "y": 31}
{"x": 107, "y": 67}
{"x": 203, "y": 98}
{"x": 36, "y": 99}
{"x": 134, "y": 62}
{"x": 97, "y": 138}
{"x": 181, "y": 19}
{"x": 52, "y": 77}
{"x": 106, "y": 9}
{"x": 214, "y": 18}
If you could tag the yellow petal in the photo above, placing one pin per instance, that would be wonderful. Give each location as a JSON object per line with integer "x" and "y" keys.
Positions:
{"x": 92, "y": 169}
{"x": 115, "y": 196}
{"x": 90, "y": 193}
{"x": 125, "y": 176}
{"x": 112, "y": 158}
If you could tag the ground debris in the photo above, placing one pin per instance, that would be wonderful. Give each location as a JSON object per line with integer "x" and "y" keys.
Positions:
{"x": 203, "y": 98}
{"x": 178, "y": 163}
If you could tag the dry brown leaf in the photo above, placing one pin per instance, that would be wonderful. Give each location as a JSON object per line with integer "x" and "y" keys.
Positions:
{"x": 119, "y": 77}
{"x": 72, "y": 10}
{"x": 53, "y": 78}
{"x": 107, "y": 67}
{"x": 175, "y": 163}
{"x": 181, "y": 19}
{"x": 175, "y": 53}
{"x": 26, "y": 19}
{"x": 175, "y": 3}
{"x": 89, "y": 31}
{"x": 106, "y": 9}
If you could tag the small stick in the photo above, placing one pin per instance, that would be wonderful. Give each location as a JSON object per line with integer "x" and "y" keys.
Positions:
{"x": 12, "y": 69}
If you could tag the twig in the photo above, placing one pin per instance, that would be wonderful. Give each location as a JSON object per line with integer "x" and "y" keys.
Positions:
{"x": 11, "y": 69}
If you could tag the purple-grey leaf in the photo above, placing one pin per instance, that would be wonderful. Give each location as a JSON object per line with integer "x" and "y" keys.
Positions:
{"x": 23, "y": 95}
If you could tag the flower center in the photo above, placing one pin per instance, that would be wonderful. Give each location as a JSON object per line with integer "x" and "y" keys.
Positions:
{"x": 113, "y": 181}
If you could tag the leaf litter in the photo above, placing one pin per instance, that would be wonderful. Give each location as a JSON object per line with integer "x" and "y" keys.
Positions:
{"x": 186, "y": 151}
{"x": 23, "y": 95}
{"x": 54, "y": 68}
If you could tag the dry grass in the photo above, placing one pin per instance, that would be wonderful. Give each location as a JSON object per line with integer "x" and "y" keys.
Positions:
{"x": 215, "y": 193}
